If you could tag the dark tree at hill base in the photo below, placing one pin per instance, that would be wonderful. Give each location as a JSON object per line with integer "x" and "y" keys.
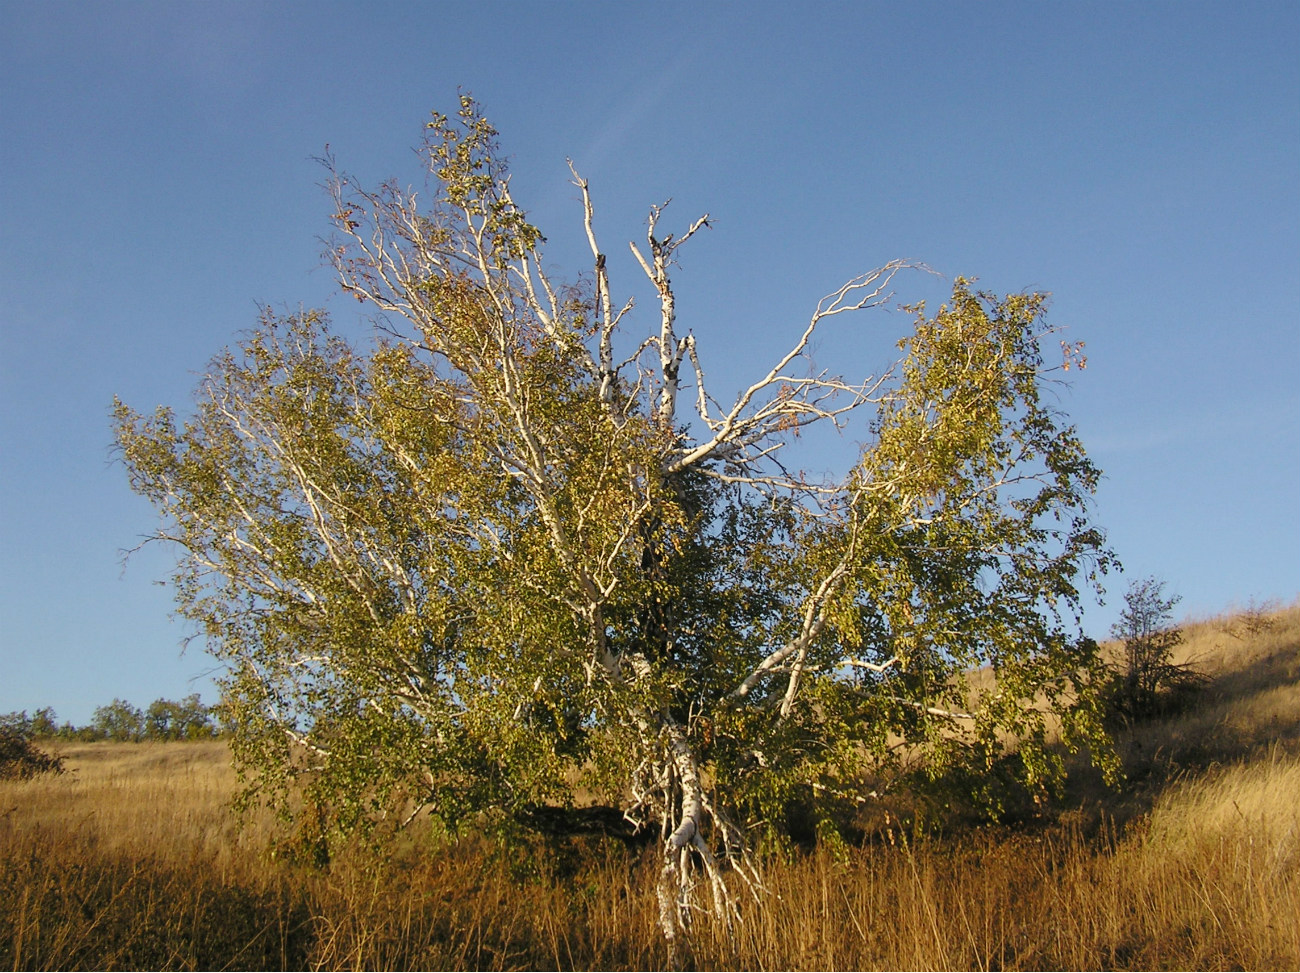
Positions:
{"x": 21, "y": 759}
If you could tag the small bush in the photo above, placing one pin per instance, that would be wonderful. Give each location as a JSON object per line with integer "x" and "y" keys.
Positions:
{"x": 21, "y": 759}
{"x": 1149, "y": 683}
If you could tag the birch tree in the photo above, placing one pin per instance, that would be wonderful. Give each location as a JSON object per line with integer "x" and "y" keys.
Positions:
{"x": 522, "y": 545}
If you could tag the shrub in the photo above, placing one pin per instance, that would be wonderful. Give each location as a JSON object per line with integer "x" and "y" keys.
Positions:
{"x": 1149, "y": 683}
{"x": 21, "y": 759}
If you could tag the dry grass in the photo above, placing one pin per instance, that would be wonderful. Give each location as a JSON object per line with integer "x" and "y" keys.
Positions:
{"x": 132, "y": 860}
{"x": 1251, "y": 703}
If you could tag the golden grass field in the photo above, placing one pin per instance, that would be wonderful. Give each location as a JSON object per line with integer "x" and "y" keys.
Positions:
{"x": 134, "y": 860}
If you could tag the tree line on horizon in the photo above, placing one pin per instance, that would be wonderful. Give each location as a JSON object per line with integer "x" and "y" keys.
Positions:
{"x": 163, "y": 719}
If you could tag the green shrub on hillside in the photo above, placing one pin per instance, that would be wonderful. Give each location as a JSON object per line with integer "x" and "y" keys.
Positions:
{"x": 1150, "y": 683}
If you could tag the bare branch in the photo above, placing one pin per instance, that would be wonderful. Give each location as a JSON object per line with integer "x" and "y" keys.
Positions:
{"x": 794, "y": 401}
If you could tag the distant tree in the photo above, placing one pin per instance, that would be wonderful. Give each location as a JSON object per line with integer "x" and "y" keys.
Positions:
{"x": 70, "y": 731}
{"x": 512, "y": 549}
{"x": 45, "y": 722}
{"x": 40, "y": 724}
{"x": 158, "y": 720}
{"x": 186, "y": 720}
{"x": 197, "y": 721}
{"x": 119, "y": 721}
{"x": 1150, "y": 680}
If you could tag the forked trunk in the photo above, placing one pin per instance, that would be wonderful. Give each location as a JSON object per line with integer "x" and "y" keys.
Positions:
{"x": 687, "y": 856}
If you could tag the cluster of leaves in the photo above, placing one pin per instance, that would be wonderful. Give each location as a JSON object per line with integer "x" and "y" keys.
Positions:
{"x": 958, "y": 561}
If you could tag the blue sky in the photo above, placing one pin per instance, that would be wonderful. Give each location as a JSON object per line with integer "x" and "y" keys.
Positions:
{"x": 1139, "y": 161}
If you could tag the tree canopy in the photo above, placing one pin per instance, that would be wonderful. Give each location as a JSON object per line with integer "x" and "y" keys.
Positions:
{"x": 518, "y": 546}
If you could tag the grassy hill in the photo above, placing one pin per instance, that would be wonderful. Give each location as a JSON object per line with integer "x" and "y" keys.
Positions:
{"x": 132, "y": 859}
